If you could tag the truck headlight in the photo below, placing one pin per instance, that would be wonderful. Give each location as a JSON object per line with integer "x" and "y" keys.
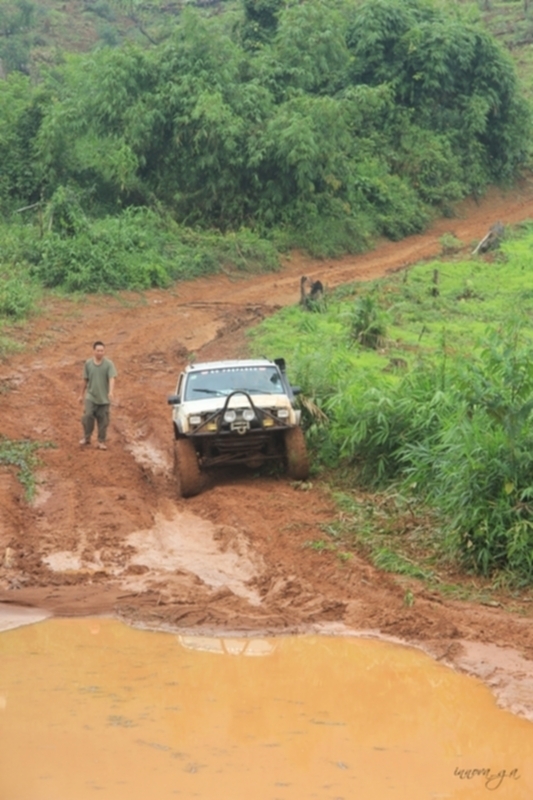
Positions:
{"x": 195, "y": 419}
{"x": 283, "y": 413}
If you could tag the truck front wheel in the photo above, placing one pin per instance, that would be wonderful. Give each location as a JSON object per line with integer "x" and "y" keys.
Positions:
{"x": 190, "y": 479}
{"x": 296, "y": 453}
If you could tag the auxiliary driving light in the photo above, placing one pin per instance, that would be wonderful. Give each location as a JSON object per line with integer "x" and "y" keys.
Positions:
{"x": 230, "y": 416}
{"x": 248, "y": 414}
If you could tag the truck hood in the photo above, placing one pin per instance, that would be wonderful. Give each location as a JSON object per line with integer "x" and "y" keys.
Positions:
{"x": 213, "y": 404}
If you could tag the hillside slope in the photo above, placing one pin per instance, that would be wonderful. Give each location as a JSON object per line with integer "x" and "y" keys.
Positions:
{"x": 106, "y": 532}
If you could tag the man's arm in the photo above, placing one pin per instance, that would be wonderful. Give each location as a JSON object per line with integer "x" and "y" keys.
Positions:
{"x": 111, "y": 391}
{"x": 82, "y": 393}
{"x": 85, "y": 383}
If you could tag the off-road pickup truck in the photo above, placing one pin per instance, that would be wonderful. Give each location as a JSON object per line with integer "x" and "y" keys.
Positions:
{"x": 235, "y": 412}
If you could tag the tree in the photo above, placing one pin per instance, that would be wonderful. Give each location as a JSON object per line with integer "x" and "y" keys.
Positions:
{"x": 451, "y": 73}
{"x": 260, "y": 21}
{"x": 16, "y": 19}
{"x": 21, "y": 112}
{"x": 311, "y": 47}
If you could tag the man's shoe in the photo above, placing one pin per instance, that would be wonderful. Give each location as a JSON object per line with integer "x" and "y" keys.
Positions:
{"x": 85, "y": 441}
{"x": 101, "y": 446}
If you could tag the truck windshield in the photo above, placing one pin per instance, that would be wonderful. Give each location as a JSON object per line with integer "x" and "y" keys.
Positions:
{"x": 221, "y": 382}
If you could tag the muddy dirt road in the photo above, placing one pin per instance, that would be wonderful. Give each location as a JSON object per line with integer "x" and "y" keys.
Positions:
{"x": 106, "y": 533}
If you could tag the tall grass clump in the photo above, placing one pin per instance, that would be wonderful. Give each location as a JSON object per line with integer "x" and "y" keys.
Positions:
{"x": 478, "y": 468}
{"x": 369, "y": 322}
{"x": 460, "y": 437}
{"x": 18, "y": 295}
{"x": 18, "y": 291}
{"x": 374, "y": 432}
{"x": 326, "y": 360}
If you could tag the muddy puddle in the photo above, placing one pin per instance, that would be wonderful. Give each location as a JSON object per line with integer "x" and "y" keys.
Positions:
{"x": 90, "y": 708}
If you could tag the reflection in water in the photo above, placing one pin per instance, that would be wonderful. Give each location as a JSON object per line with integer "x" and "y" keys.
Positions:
{"x": 91, "y": 708}
{"x": 237, "y": 647}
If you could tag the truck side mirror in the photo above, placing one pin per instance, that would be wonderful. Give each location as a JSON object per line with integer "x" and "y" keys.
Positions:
{"x": 174, "y": 400}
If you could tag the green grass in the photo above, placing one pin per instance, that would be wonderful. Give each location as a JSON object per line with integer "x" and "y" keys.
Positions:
{"x": 23, "y": 456}
{"x": 420, "y": 324}
{"x": 8, "y": 342}
{"x": 439, "y": 413}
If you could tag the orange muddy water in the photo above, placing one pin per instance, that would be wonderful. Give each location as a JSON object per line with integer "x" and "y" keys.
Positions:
{"x": 90, "y": 708}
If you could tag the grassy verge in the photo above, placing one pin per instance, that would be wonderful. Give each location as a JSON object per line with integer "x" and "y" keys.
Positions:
{"x": 420, "y": 387}
{"x": 403, "y": 538}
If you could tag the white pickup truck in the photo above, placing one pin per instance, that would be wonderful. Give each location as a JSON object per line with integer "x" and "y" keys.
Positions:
{"x": 235, "y": 412}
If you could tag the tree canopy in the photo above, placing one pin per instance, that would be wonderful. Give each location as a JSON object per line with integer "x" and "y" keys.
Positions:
{"x": 328, "y": 121}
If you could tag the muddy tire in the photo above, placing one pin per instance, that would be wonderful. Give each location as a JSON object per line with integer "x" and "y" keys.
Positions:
{"x": 296, "y": 453}
{"x": 190, "y": 479}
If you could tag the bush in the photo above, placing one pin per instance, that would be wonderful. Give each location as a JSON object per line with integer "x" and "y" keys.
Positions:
{"x": 137, "y": 250}
{"x": 99, "y": 261}
{"x": 369, "y": 322}
{"x": 17, "y": 297}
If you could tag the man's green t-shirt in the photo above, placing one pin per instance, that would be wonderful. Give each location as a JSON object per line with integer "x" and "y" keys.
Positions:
{"x": 97, "y": 377}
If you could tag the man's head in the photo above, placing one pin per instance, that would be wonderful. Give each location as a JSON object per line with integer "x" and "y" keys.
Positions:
{"x": 98, "y": 351}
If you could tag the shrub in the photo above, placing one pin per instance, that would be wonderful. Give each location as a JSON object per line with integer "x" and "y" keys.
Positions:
{"x": 369, "y": 322}
{"x": 137, "y": 250}
{"x": 17, "y": 297}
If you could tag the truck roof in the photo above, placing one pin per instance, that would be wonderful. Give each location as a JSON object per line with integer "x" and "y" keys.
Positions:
{"x": 201, "y": 366}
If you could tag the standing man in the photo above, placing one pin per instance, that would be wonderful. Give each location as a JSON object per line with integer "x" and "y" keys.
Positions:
{"x": 99, "y": 375}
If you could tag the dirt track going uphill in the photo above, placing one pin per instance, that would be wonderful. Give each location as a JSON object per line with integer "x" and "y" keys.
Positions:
{"x": 107, "y": 534}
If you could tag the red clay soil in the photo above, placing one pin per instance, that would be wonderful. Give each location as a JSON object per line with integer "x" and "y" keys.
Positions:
{"x": 107, "y": 534}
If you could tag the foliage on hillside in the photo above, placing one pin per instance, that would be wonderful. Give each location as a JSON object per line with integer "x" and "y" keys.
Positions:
{"x": 440, "y": 407}
{"x": 319, "y": 125}
{"x": 34, "y": 35}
